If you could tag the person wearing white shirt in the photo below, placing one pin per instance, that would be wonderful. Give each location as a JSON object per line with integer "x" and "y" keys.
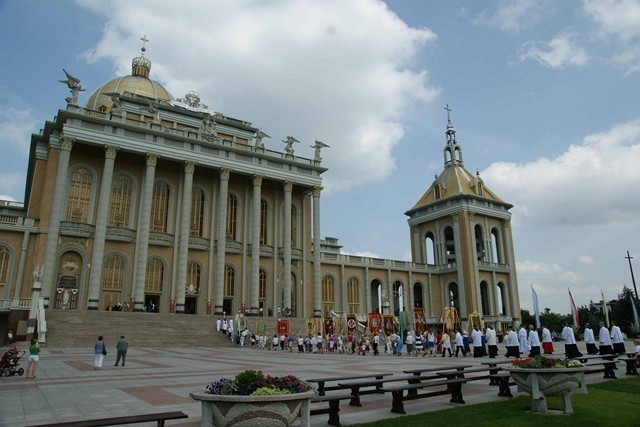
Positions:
{"x": 218, "y": 324}
{"x": 570, "y": 346}
{"x": 490, "y": 334}
{"x": 534, "y": 342}
{"x": 513, "y": 347}
{"x": 590, "y": 340}
{"x": 476, "y": 336}
{"x": 604, "y": 338}
{"x": 522, "y": 340}
{"x": 616, "y": 339}
{"x": 459, "y": 343}
{"x": 547, "y": 341}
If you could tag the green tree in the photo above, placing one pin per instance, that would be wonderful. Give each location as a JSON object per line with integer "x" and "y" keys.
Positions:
{"x": 622, "y": 313}
{"x": 526, "y": 318}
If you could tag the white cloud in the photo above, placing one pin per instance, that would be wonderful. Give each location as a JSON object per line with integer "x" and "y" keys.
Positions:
{"x": 336, "y": 71}
{"x": 557, "y": 53}
{"x": 587, "y": 260}
{"x": 589, "y": 184}
{"x": 15, "y": 128}
{"x": 619, "y": 18}
{"x": 510, "y": 15}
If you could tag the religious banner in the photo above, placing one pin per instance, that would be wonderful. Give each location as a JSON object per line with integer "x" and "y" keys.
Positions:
{"x": 328, "y": 326}
{"x": 308, "y": 326}
{"x": 208, "y": 307}
{"x": 283, "y": 327}
{"x": 375, "y": 321}
{"x": 261, "y": 328}
{"x": 172, "y": 306}
{"x": 352, "y": 322}
{"x": 419, "y": 320}
{"x": 387, "y": 324}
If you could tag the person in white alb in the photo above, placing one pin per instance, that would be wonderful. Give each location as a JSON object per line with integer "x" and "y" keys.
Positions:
{"x": 534, "y": 342}
{"x": 616, "y": 339}
{"x": 476, "y": 336}
{"x": 522, "y": 340}
{"x": 492, "y": 347}
{"x": 459, "y": 343}
{"x": 570, "y": 346}
{"x": 590, "y": 340}
{"x": 604, "y": 338}
{"x": 513, "y": 348}
{"x": 547, "y": 341}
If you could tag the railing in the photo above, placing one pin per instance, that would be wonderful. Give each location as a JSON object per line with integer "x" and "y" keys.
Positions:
{"x": 199, "y": 243}
{"x": 9, "y": 219}
{"x": 7, "y": 304}
{"x": 76, "y": 228}
{"x": 124, "y": 234}
{"x": 163, "y": 239}
{"x": 494, "y": 266}
{"x": 11, "y": 204}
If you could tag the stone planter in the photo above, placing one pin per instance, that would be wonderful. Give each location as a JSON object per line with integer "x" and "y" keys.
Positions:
{"x": 547, "y": 382}
{"x": 248, "y": 411}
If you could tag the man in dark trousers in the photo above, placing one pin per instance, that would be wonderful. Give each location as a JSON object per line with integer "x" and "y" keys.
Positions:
{"x": 122, "y": 348}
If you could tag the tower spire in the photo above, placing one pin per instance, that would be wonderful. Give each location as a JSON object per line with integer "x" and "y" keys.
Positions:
{"x": 452, "y": 151}
{"x": 141, "y": 66}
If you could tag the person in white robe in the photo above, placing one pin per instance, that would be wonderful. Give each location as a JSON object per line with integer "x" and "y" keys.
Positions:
{"x": 512, "y": 343}
{"x": 476, "y": 336}
{"x": 490, "y": 335}
{"x": 533, "y": 340}
{"x": 547, "y": 341}
{"x": 570, "y": 347}
{"x": 590, "y": 340}
{"x": 604, "y": 339}
{"x": 522, "y": 341}
{"x": 459, "y": 344}
{"x": 616, "y": 339}
{"x": 218, "y": 324}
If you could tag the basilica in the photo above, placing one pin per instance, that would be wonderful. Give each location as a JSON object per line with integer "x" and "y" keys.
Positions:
{"x": 142, "y": 201}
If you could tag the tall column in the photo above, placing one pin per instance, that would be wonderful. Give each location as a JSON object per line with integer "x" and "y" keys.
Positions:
{"x": 218, "y": 291}
{"x": 286, "y": 301}
{"x": 317, "y": 289}
{"x": 49, "y": 269}
{"x": 185, "y": 222}
{"x": 102, "y": 219}
{"x": 255, "y": 245}
{"x": 142, "y": 241}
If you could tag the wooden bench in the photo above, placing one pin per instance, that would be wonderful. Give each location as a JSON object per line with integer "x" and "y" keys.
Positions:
{"x": 503, "y": 381}
{"x": 606, "y": 366}
{"x": 493, "y": 374}
{"x": 322, "y": 388}
{"x": 159, "y": 417}
{"x": 333, "y": 410}
{"x": 420, "y": 371}
{"x": 632, "y": 365}
{"x": 495, "y": 370}
{"x": 453, "y": 387}
{"x": 356, "y": 386}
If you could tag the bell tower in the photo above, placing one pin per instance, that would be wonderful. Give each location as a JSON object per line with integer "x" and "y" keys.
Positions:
{"x": 461, "y": 231}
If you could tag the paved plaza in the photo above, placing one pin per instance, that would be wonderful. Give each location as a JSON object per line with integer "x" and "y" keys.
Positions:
{"x": 67, "y": 388}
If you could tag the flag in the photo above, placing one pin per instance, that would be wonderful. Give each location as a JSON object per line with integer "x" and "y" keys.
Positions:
{"x": 604, "y": 308}
{"x": 633, "y": 306}
{"x": 574, "y": 311}
{"x": 536, "y": 307}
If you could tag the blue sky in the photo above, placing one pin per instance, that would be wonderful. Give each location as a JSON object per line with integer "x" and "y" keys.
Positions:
{"x": 544, "y": 97}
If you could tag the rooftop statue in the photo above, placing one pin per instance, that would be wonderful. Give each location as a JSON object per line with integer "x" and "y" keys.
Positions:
{"x": 74, "y": 85}
{"x": 209, "y": 128}
{"x": 259, "y": 136}
{"x": 319, "y": 146}
{"x": 289, "y": 145}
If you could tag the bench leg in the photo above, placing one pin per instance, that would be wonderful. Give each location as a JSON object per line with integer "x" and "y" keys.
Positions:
{"x": 355, "y": 397}
{"x": 397, "y": 406}
{"x": 631, "y": 367}
{"x": 505, "y": 390}
{"x": 456, "y": 393}
{"x": 413, "y": 391}
{"x": 334, "y": 413}
{"x": 608, "y": 371}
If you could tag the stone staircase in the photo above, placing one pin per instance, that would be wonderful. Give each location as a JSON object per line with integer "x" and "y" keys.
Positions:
{"x": 74, "y": 328}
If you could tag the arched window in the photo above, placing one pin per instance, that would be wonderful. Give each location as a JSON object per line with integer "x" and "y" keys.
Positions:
{"x": 79, "y": 199}
{"x": 5, "y": 257}
{"x": 454, "y": 299}
{"x": 229, "y": 281}
{"x": 479, "y": 235}
{"x": 450, "y": 245}
{"x": 328, "y": 299}
{"x": 437, "y": 192}
{"x": 417, "y": 295}
{"x": 484, "y": 298}
{"x": 113, "y": 273}
{"x": 121, "y": 192}
{"x": 398, "y": 297}
{"x": 232, "y": 217}
{"x": 294, "y": 226}
{"x": 430, "y": 249}
{"x": 502, "y": 299}
{"x": 197, "y": 213}
{"x": 154, "y": 277}
{"x": 496, "y": 247}
{"x": 262, "y": 290}
{"x": 353, "y": 295}
{"x": 192, "y": 287}
{"x": 263, "y": 222}
{"x": 160, "y": 207}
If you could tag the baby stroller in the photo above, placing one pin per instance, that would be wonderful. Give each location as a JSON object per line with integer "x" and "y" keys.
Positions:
{"x": 10, "y": 362}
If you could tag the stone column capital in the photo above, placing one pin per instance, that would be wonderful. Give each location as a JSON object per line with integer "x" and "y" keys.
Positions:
{"x": 189, "y": 167}
{"x": 288, "y": 186}
{"x": 66, "y": 143}
{"x": 225, "y": 174}
{"x": 110, "y": 151}
{"x": 152, "y": 159}
{"x": 257, "y": 180}
{"x": 316, "y": 191}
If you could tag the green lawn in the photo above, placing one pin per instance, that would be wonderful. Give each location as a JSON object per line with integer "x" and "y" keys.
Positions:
{"x": 611, "y": 403}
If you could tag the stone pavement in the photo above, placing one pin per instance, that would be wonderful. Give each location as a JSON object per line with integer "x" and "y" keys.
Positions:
{"x": 67, "y": 388}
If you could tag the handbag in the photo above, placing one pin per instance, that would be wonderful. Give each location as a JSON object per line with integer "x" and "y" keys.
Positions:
{"x": 104, "y": 351}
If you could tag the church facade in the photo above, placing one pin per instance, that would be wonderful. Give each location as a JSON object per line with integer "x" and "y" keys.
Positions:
{"x": 157, "y": 204}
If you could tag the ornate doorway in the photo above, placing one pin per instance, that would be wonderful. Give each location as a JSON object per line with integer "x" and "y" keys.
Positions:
{"x": 68, "y": 283}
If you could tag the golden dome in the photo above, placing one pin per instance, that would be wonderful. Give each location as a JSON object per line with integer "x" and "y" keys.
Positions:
{"x": 133, "y": 84}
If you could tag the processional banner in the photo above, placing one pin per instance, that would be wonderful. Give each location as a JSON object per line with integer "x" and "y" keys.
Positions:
{"x": 308, "y": 326}
{"x": 328, "y": 326}
{"x": 375, "y": 321}
{"x": 387, "y": 322}
{"x": 352, "y": 322}
{"x": 283, "y": 327}
{"x": 261, "y": 328}
{"x": 419, "y": 320}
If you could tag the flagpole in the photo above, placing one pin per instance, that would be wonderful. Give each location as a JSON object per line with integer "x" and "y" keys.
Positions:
{"x": 633, "y": 280}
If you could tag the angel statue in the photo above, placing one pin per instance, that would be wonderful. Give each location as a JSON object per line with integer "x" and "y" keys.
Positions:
{"x": 319, "y": 146}
{"x": 153, "y": 109}
{"x": 74, "y": 85}
{"x": 259, "y": 136}
{"x": 209, "y": 128}
{"x": 289, "y": 145}
{"x": 115, "y": 99}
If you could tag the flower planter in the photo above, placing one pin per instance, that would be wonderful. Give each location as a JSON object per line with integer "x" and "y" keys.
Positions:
{"x": 245, "y": 411}
{"x": 547, "y": 382}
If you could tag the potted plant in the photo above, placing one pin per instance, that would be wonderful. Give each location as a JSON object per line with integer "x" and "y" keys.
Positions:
{"x": 252, "y": 398}
{"x": 542, "y": 377}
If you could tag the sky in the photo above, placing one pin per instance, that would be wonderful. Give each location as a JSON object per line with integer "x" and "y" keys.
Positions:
{"x": 544, "y": 98}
